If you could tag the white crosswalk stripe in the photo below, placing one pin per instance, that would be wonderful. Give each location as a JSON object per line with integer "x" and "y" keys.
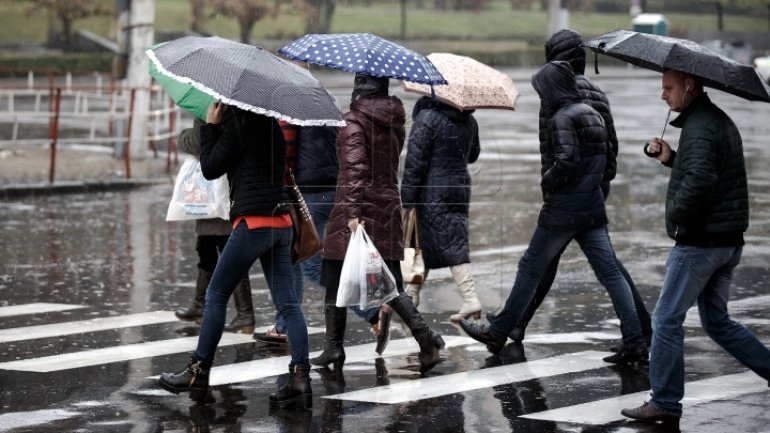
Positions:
{"x": 36, "y": 308}
{"x": 437, "y": 386}
{"x": 261, "y": 368}
{"x": 124, "y": 353}
{"x": 92, "y": 325}
{"x": 700, "y": 391}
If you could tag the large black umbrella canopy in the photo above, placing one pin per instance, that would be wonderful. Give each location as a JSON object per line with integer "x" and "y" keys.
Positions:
{"x": 245, "y": 76}
{"x": 660, "y": 53}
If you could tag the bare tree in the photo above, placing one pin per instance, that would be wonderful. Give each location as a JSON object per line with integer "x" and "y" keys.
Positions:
{"x": 318, "y": 14}
{"x": 197, "y": 15}
{"x": 66, "y": 13}
{"x": 246, "y": 12}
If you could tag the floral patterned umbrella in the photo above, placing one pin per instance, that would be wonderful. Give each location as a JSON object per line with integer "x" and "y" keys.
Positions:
{"x": 472, "y": 84}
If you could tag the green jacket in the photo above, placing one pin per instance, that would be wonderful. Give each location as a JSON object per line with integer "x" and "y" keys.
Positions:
{"x": 707, "y": 201}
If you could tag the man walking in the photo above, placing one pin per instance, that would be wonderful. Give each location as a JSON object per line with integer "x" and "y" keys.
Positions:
{"x": 707, "y": 211}
{"x": 573, "y": 167}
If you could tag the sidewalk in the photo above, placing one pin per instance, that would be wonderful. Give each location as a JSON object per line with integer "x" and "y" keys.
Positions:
{"x": 25, "y": 171}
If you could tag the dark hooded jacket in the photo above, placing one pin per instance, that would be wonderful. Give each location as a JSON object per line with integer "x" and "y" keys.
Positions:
{"x": 250, "y": 149}
{"x": 565, "y": 45}
{"x": 442, "y": 142}
{"x": 316, "y": 163}
{"x": 574, "y": 159}
{"x": 368, "y": 150}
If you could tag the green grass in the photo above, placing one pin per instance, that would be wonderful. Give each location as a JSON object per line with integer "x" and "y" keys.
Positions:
{"x": 497, "y": 23}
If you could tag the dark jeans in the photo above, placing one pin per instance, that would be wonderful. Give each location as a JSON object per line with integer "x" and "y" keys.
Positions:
{"x": 543, "y": 247}
{"x": 273, "y": 249}
{"x": 547, "y": 281}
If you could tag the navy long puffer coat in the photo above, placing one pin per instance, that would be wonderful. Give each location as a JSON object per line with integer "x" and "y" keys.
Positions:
{"x": 442, "y": 142}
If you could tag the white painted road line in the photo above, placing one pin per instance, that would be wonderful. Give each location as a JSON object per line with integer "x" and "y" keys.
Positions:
{"x": 261, "y": 368}
{"x": 36, "y": 308}
{"x": 437, "y": 386}
{"x": 79, "y": 327}
{"x": 125, "y": 353}
{"x": 701, "y": 391}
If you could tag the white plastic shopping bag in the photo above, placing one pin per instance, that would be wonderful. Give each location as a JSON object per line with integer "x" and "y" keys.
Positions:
{"x": 378, "y": 283}
{"x": 195, "y": 197}
{"x": 365, "y": 280}
{"x": 349, "y": 292}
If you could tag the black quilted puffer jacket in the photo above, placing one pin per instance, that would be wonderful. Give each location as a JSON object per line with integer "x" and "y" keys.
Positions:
{"x": 442, "y": 142}
{"x": 565, "y": 45}
{"x": 573, "y": 163}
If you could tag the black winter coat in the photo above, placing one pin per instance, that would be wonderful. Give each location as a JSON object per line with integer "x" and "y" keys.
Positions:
{"x": 316, "y": 166}
{"x": 565, "y": 45}
{"x": 573, "y": 164}
{"x": 250, "y": 149}
{"x": 707, "y": 201}
{"x": 442, "y": 142}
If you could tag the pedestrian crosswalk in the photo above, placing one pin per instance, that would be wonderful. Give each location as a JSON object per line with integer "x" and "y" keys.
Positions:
{"x": 406, "y": 389}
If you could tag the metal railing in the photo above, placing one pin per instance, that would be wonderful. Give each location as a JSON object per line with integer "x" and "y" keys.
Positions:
{"x": 91, "y": 112}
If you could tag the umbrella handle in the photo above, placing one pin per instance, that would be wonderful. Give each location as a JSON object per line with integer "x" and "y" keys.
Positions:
{"x": 646, "y": 145}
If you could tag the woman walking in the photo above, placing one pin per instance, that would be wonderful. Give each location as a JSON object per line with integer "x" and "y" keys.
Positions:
{"x": 436, "y": 182}
{"x": 250, "y": 149}
{"x": 368, "y": 150}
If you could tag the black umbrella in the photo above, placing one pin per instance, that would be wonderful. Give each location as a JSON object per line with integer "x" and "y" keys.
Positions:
{"x": 660, "y": 53}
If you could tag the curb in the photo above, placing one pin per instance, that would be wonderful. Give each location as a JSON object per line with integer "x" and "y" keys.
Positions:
{"x": 9, "y": 191}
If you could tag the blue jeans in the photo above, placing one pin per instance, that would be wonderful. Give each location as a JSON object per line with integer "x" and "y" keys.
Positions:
{"x": 543, "y": 247}
{"x": 320, "y": 205}
{"x": 273, "y": 249}
{"x": 702, "y": 275}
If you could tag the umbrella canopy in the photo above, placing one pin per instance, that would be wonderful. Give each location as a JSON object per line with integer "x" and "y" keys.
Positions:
{"x": 196, "y": 71}
{"x": 363, "y": 53}
{"x": 660, "y": 53}
{"x": 472, "y": 84}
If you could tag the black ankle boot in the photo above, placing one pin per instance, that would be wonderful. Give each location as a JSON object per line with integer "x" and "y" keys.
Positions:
{"x": 430, "y": 341}
{"x": 296, "y": 390}
{"x": 193, "y": 379}
{"x": 336, "y": 320}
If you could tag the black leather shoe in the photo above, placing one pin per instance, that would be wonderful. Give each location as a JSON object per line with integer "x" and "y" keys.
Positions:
{"x": 481, "y": 333}
{"x": 649, "y": 413}
{"x": 193, "y": 379}
{"x": 517, "y": 334}
{"x": 628, "y": 356}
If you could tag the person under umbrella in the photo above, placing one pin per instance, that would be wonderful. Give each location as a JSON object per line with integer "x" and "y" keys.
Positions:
{"x": 707, "y": 212}
{"x": 250, "y": 149}
{"x": 368, "y": 150}
{"x": 436, "y": 182}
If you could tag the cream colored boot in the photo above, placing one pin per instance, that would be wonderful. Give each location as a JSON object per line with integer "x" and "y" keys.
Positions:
{"x": 471, "y": 305}
{"x": 413, "y": 291}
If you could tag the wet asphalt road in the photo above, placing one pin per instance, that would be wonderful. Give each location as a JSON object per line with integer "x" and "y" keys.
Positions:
{"x": 112, "y": 255}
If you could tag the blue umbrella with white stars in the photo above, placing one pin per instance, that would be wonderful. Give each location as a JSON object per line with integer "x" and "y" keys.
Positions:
{"x": 363, "y": 53}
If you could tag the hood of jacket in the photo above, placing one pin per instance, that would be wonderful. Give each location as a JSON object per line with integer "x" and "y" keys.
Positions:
{"x": 451, "y": 113}
{"x": 383, "y": 110}
{"x": 566, "y": 46}
{"x": 554, "y": 82}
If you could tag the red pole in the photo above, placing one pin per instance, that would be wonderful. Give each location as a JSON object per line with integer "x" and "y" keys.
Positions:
{"x": 171, "y": 144}
{"x": 153, "y": 146}
{"x": 54, "y": 135}
{"x": 126, "y": 152}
